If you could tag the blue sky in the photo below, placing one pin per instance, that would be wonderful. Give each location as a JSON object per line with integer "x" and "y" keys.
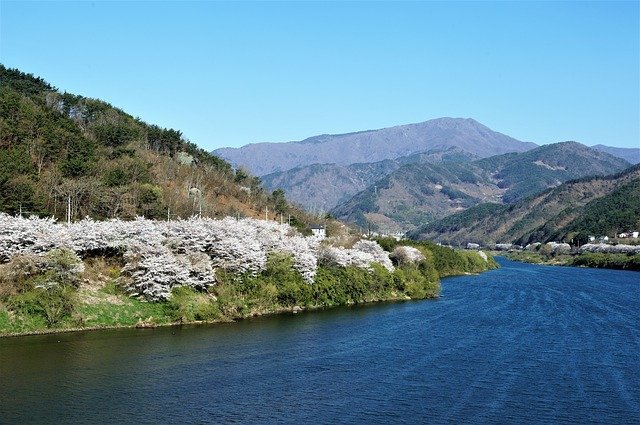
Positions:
{"x": 232, "y": 73}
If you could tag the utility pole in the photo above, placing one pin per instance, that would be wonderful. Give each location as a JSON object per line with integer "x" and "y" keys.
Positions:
{"x": 168, "y": 214}
{"x": 69, "y": 209}
{"x": 266, "y": 213}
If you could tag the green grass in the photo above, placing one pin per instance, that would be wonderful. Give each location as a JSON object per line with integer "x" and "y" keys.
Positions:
{"x": 130, "y": 313}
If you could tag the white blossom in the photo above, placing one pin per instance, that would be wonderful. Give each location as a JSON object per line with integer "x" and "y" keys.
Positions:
{"x": 162, "y": 254}
{"x": 406, "y": 255}
{"x": 610, "y": 249}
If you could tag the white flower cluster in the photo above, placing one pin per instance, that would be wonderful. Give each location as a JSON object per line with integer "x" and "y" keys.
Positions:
{"x": 361, "y": 255}
{"x": 155, "y": 269}
{"x": 407, "y": 255}
{"x": 161, "y": 254}
{"x": 610, "y": 249}
{"x": 559, "y": 247}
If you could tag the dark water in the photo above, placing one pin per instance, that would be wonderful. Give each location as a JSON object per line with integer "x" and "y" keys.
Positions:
{"x": 523, "y": 344}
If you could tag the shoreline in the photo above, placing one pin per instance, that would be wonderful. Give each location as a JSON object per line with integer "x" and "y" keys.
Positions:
{"x": 590, "y": 261}
{"x": 143, "y": 325}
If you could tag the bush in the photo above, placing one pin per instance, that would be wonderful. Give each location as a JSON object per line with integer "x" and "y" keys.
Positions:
{"x": 188, "y": 305}
{"x": 65, "y": 266}
{"x": 608, "y": 261}
{"x": 16, "y": 276}
{"x": 53, "y": 303}
{"x": 42, "y": 286}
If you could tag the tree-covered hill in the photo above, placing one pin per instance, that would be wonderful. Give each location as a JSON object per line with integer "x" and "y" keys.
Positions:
{"x": 59, "y": 147}
{"x": 418, "y": 193}
{"x": 570, "y": 212}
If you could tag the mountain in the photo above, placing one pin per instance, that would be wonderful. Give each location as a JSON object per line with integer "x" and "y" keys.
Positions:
{"x": 418, "y": 193}
{"x": 58, "y": 149}
{"x": 632, "y": 155}
{"x": 531, "y": 172}
{"x": 374, "y": 146}
{"x": 321, "y": 187}
{"x": 575, "y": 209}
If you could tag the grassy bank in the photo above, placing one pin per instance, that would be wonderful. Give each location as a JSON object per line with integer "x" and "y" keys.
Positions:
{"x": 585, "y": 259}
{"x": 57, "y": 296}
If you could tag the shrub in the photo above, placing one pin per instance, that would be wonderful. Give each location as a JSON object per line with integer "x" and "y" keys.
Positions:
{"x": 16, "y": 276}
{"x": 402, "y": 255}
{"x": 65, "y": 266}
{"x": 187, "y": 305}
{"x": 53, "y": 303}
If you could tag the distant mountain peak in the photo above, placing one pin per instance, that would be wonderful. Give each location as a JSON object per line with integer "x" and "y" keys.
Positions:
{"x": 374, "y": 145}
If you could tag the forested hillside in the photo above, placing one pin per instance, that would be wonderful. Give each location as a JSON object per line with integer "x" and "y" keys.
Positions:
{"x": 418, "y": 193}
{"x": 59, "y": 147}
{"x": 324, "y": 186}
{"x": 595, "y": 206}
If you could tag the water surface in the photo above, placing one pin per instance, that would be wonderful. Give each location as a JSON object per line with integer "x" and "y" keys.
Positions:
{"x": 523, "y": 344}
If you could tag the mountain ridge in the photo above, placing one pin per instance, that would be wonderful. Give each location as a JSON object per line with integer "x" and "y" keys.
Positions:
{"x": 606, "y": 204}
{"x": 374, "y": 145}
{"x": 414, "y": 194}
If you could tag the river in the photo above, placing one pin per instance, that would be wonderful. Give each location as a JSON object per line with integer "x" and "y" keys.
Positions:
{"x": 522, "y": 344}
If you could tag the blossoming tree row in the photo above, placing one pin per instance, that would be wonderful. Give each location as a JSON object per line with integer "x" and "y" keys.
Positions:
{"x": 162, "y": 254}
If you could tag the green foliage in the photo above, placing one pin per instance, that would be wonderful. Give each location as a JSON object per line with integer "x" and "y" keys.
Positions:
{"x": 38, "y": 293}
{"x": 607, "y": 261}
{"x": 57, "y": 144}
{"x": 53, "y": 303}
{"x": 116, "y": 177}
{"x": 279, "y": 200}
{"x": 280, "y": 287}
{"x": 445, "y": 261}
{"x": 614, "y": 213}
{"x": 124, "y": 311}
{"x": 188, "y": 305}
{"x": 115, "y": 135}
{"x": 63, "y": 267}
{"x": 41, "y": 287}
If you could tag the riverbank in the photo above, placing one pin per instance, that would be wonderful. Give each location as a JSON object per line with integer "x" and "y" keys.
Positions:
{"x": 585, "y": 259}
{"x": 97, "y": 299}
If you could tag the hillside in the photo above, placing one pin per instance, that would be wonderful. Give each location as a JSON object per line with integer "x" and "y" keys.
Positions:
{"x": 547, "y": 166}
{"x": 631, "y": 155}
{"x": 416, "y": 194}
{"x": 374, "y": 146}
{"x": 321, "y": 187}
{"x": 573, "y": 210}
{"x": 59, "y": 147}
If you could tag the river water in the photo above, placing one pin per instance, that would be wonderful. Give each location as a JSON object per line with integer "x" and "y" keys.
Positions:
{"x": 522, "y": 344}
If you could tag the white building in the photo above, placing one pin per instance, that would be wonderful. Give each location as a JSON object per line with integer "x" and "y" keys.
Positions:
{"x": 319, "y": 231}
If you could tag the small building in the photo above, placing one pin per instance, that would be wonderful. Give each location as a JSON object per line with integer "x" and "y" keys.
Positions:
{"x": 635, "y": 235}
{"x": 319, "y": 230}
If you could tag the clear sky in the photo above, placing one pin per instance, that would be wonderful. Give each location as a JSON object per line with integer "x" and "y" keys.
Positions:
{"x": 232, "y": 73}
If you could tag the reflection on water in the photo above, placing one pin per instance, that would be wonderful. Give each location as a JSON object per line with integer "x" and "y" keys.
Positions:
{"x": 530, "y": 344}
